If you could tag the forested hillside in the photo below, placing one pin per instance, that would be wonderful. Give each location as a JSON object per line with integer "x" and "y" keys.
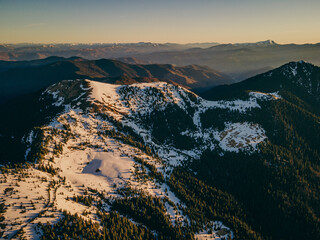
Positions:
{"x": 155, "y": 161}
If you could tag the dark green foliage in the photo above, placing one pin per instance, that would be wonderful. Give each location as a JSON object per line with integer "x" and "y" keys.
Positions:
{"x": 151, "y": 212}
{"x": 22, "y": 115}
{"x": 205, "y": 203}
{"x": 154, "y": 173}
{"x": 19, "y": 117}
{"x": 125, "y": 134}
{"x": 86, "y": 200}
{"x": 128, "y": 139}
{"x": 71, "y": 227}
{"x": 48, "y": 168}
{"x": 303, "y": 84}
{"x": 8, "y": 190}
{"x": 38, "y": 148}
{"x": 117, "y": 227}
{"x": 166, "y": 126}
{"x": 58, "y": 149}
{"x": 114, "y": 227}
{"x": 216, "y": 118}
{"x": 2, "y": 219}
{"x": 13, "y": 168}
{"x": 278, "y": 186}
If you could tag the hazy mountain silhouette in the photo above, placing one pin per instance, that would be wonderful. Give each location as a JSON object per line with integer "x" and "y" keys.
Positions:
{"x": 34, "y": 75}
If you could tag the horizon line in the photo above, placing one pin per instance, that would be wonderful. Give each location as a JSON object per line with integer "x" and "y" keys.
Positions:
{"x": 178, "y": 43}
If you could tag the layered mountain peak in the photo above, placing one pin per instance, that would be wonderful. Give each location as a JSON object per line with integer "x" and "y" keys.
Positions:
{"x": 259, "y": 44}
{"x": 300, "y": 69}
{"x": 300, "y": 78}
{"x": 267, "y": 42}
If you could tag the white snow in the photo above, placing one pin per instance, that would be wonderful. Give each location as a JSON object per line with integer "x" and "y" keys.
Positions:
{"x": 265, "y": 96}
{"x": 29, "y": 138}
{"x": 238, "y": 136}
{"x": 294, "y": 70}
{"x": 28, "y": 197}
{"x": 28, "y": 141}
{"x": 236, "y": 105}
{"x": 218, "y": 231}
{"x": 98, "y": 170}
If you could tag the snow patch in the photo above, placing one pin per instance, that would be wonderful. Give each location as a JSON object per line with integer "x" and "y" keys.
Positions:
{"x": 238, "y": 136}
{"x": 265, "y": 96}
{"x": 218, "y": 231}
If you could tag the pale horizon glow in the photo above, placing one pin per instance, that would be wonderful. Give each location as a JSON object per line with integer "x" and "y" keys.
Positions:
{"x": 167, "y": 21}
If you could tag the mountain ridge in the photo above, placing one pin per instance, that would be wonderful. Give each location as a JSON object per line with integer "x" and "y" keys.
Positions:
{"x": 159, "y": 158}
{"x": 30, "y": 79}
{"x": 298, "y": 78}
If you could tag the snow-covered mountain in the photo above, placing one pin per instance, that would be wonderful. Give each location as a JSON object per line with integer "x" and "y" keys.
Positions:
{"x": 265, "y": 43}
{"x": 156, "y": 161}
{"x": 149, "y": 109}
{"x": 109, "y": 137}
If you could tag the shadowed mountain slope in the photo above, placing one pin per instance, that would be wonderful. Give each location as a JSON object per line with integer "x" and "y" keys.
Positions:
{"x": 30, "y": 78}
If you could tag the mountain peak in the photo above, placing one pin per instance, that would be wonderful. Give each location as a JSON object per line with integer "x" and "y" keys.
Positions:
{"x": 267, "y": 42}
{"x": 300, "y": 78}
{"x": 297, "y": 69}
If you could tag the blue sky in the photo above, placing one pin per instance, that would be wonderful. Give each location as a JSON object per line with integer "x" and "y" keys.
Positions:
{"x": 179, "y": 21}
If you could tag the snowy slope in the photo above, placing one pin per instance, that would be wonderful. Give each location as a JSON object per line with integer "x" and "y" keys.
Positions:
{"x": 129, "y": 103}
{"x": 86, "y": 143}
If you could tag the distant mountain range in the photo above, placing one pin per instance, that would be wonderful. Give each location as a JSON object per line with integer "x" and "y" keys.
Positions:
{"x": 25, "y": 77}
{"x": 21, "y": 52}
{"x": 238, "y": 60}
{"x": 7, "y": 65}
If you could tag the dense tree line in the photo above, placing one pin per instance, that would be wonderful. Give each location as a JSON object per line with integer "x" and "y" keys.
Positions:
{"x": 277, "y": 186}
{"x": 48, "y": 168}
{"x": 153, "y": 172}
{"x": 86, "y": 200}
{"x": 205, "y": 203}
{"x": 128, "y": 139}
{"x": 20, "y": 116}
{"x": 114, "y": 227}
{"x": 167, "y": 124}
{"x": 151, "y": 212}
{"x": 2, "y": 219}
